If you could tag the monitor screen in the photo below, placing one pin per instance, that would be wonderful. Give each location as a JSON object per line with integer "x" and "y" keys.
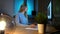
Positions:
{"x": 18, "y": 3}
{"x": 30, "y": 5}
{"x": 49, "y": 10}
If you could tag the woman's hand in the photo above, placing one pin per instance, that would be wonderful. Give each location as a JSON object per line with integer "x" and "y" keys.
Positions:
{"x": 32, "y": 26}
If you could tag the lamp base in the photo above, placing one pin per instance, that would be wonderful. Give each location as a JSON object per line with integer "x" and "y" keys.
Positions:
{"x": 1, "y": 32}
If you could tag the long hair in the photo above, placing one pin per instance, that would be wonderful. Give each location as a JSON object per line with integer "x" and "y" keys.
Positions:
{"x": 22, "y": 8}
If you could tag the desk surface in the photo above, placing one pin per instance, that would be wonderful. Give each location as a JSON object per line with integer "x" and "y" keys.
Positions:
{"x": 21, "y": 30}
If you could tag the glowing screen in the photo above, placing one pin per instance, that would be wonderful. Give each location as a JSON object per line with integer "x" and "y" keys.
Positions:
{"x": 49, "y": 11}
{"x": 18, "y": 3}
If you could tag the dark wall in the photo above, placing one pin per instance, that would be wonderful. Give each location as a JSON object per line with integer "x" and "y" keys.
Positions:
{"x": 56, "y": 12}
{"x": 6, "y": 6}
{"x": 42, "y": 6}
{"x": 56, "y": 7}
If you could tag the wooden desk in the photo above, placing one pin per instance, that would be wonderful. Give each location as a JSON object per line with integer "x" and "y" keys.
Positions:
{"x": 22, "y": 30}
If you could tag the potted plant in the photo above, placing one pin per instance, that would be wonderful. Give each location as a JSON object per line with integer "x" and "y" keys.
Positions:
{"x": 41, "y": 19}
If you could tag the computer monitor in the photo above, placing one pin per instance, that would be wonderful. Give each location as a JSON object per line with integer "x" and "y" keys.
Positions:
{"x": 49, "y": 11}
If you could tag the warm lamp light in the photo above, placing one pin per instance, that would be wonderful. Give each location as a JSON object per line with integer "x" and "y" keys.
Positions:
{"x": 5, "y": 21}
{"x": 2, "y": 25}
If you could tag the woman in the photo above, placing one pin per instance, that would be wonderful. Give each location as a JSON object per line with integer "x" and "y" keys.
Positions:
{"x": 20, "y": 17}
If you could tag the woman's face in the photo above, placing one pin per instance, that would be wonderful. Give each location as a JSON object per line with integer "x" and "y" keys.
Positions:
{"x": 25, "y": 9}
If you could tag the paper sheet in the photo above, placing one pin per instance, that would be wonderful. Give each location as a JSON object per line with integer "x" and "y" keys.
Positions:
{"x": 32, "y": 28}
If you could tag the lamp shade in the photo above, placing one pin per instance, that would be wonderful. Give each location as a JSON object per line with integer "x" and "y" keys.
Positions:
{"x": 6, "y": 23}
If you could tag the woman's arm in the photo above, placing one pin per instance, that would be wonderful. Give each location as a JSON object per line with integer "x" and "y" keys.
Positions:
{"x": 17, "y": 19}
